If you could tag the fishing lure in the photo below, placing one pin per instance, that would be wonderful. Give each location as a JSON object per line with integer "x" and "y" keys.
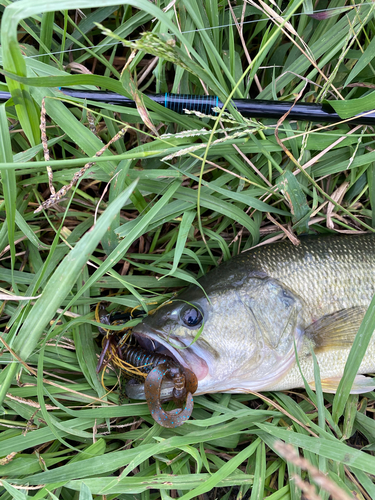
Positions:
{"x": 153, "y": 368}
{"x": 185, "y": 384}
{"x": 158, "y": 367}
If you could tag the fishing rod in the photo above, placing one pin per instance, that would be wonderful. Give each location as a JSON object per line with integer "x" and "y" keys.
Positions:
{"x": 252, "y": 108}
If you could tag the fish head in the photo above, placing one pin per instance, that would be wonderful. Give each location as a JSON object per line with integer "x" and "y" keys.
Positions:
{"x": 235, "y": 337}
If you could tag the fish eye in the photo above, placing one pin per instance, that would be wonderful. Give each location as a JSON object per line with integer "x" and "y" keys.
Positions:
{"x": 191, "y": 316}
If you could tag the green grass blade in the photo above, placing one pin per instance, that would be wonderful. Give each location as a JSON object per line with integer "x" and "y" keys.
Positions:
{"x": 8, "y": 180}
{"x": 14, "y": 492}
{"x": 257, "y": 492}
{"x": 84, "y": 492}
{"x": 354, "y": 360}
{"x": 185, "y": 226}
{"x": 46, "y": 34}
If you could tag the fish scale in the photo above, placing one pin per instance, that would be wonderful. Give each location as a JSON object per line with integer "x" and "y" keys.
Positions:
{"x": 330, "y": 273}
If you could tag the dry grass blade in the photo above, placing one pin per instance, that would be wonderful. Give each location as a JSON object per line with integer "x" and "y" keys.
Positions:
{"x": 290, "y": 454}
{"x": 55, "y": 197}
{"x": 337, "y": 196}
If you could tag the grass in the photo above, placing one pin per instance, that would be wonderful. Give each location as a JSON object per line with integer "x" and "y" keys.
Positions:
{"x": 173, "y": 198}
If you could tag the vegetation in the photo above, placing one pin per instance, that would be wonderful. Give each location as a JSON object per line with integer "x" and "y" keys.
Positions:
{"x": 173, "y": 197}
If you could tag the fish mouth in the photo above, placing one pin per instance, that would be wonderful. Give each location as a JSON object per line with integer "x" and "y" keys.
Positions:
{"x": 151, "y": 340}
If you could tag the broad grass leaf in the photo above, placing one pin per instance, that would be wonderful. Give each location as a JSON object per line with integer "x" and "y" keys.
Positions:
{"x": 137, "y": 484}
{"x": 353, "y": 107}
{"x": 84, "y": 492}
{"x": 296, "y": 198}
{"x": 365, "y": 481}
{"x": 362, "y": 62}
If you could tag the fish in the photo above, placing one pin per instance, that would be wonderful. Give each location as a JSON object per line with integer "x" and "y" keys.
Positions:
{"x": 243, "y": 328}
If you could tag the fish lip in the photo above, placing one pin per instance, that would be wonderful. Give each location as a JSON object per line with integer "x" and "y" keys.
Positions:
{"x": 198, "y": 365}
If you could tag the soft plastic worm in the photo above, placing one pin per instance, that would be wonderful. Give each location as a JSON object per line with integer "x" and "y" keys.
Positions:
{"x": 131, "y": 359}
{"x": 145, "y": 361}
{"x": 185, "y": 384}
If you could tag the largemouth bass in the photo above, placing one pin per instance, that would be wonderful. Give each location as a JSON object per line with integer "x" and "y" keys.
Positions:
{"x": 265, "y": 305}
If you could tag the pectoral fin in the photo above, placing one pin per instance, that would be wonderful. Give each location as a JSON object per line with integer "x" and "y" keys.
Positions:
{"x": 336, "y": 330}
{"x": 360, "y": 385}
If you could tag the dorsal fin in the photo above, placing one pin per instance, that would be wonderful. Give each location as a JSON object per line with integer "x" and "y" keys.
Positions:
{"x": 335, "y": 330}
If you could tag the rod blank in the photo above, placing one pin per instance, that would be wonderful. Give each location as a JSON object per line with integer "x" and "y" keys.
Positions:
{"x": 251, "y": 108}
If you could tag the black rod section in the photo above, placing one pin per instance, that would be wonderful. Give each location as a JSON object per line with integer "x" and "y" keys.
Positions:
{"x": 252, "y": 108}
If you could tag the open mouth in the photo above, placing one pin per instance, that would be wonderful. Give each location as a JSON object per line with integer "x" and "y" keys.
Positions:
{"x": 151, "y": 341}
